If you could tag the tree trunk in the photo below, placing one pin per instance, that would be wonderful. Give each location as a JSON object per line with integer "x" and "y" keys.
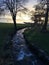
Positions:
{"x": 46, "y": 20}
{"x": 14, "y": 20}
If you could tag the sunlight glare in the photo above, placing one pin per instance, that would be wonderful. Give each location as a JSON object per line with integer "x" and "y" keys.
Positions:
{"x": 26, "y": 17}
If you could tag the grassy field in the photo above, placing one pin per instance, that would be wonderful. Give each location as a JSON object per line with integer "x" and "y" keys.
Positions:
{"x": 39, "y": 39}
{"x": 6, "y": 29}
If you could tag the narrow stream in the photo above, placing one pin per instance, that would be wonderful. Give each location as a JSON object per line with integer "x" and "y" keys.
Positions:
{"x": 22, "y": 55}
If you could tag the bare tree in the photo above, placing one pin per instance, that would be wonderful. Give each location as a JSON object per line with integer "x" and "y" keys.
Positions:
{"x": 39, "y": 12}
{"x": 46, "y": 16}
{"x": 43, "y": 5}
{"x": 1, "y": 11}
{"x": 13, "y": 6}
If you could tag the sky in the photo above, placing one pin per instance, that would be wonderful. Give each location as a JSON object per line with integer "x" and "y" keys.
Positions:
{"x": 29, "y": 5}
{"x": 30, "y": 2}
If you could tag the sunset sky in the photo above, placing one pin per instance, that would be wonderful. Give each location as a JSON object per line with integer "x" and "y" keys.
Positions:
{"x": 23, "y": 18}
{"x": 31, "y": 3}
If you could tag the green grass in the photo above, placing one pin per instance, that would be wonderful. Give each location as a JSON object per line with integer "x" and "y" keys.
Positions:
{"x": 7, "y": 29}
{"x": 39, "y": 39}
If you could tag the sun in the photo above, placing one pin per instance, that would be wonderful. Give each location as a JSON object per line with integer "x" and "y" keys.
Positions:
{"x": 26, "y": 17}
{"x": 23, "y": 17}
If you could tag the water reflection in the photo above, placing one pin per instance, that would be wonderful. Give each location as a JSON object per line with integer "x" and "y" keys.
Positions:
{"x": 21, "y": 51}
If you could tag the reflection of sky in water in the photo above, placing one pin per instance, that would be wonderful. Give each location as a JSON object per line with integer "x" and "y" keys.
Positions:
{"x": 22, "y": 54}
{"x": 20, "y": 49}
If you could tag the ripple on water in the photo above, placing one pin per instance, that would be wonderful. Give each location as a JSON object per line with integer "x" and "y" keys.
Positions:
{"x": 22, "y": 52}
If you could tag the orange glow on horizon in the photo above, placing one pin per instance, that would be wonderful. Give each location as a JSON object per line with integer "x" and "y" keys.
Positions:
{"x": 20, "y": 18}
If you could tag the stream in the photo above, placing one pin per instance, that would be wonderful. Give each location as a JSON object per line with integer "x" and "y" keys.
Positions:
{"x": 21, "y": 53}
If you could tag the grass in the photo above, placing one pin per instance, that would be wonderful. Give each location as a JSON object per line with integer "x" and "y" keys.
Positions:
{"x": 6, "y": 29}
{"x": 39, "y": 39}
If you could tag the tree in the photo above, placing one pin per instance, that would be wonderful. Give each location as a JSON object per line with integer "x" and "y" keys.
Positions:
{"x": 46, "y": 17}
{"x": 13, "y": 6}
{"x": 43, "y": 6}
{"x": 39, "y": 12}
{"x": 1, "y": 11}
{"x": 46, "y": 2}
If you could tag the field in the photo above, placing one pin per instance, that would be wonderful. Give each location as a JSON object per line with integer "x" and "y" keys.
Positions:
{"x": 6, "y": 29}
{"x": 39, "y": 39}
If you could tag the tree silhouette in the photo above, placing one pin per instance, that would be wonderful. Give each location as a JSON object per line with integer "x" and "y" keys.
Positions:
{"x": 46, "y": 16}
{"x": 13, "y": 6}
{"x": 41, "y": 6}
{"x": 39, "y": 12}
